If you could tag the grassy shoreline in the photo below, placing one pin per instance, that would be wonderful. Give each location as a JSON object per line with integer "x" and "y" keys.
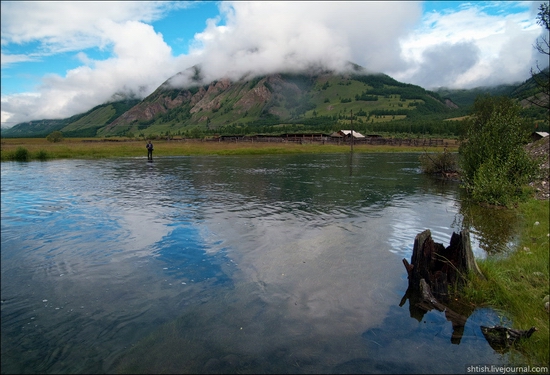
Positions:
{"x": 89, "y": 148}
{"x": 517, "y": 284}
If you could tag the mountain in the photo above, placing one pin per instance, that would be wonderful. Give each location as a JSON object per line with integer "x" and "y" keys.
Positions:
{"x": 466, "y": 97}
{"x": 81, "y": 125}
{"x": 316, "y": 99}
{"x": 531, "y": 92}
{"x": 36, "y": 129}
{"x": 276, "y": 99}
{"x": 526, "y": 93}
{"x": 521, "y": 91}
{"x": 97, "y": 118}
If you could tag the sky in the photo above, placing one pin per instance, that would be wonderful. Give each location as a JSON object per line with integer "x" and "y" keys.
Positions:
{"x": 61, "y": 58}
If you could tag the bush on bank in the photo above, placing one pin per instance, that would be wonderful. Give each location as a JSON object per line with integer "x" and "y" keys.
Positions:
{"x": 21, "y": 154}
{"x": 495, "y": 166}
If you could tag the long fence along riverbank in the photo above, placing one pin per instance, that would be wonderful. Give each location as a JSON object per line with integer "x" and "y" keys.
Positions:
{"x": 302, "y": 139}
{"x": 326, "y": 139}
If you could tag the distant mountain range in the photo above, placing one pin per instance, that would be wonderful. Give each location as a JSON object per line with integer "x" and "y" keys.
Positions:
{"x": 318, "y": 99}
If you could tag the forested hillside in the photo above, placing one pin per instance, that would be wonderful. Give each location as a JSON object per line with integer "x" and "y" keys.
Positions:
{"x": 81, "y": 125}
{"x": 285, "y": 102}
{"x": 279, "y": 103}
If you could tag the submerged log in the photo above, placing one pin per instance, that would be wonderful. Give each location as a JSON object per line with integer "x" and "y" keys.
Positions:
{"x": 502, "y": 338}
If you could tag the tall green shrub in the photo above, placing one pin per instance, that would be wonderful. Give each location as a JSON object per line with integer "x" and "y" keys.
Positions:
{"x": 55, "y": 136}
{"x": 21, "y": 154}
{"x": 493, "y": 160}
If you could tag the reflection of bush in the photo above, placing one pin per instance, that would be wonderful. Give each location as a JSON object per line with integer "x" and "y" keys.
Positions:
{"x": 439, "y": 163}
{"x": 499, "y": 226}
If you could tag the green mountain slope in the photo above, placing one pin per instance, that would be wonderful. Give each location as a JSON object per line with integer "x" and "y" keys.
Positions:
{"x": 530, "y": 87}
{"x": 316, "y": 101}
{"x": 97, "y": 118}
{"x": 521, "y": 91}
{"x": 466, "y": 97}
{"x": 276, "y": 100}
{"x": 37, "y": 129}
{"x": 81, "y": 125}
{"x": 526, "y": 93}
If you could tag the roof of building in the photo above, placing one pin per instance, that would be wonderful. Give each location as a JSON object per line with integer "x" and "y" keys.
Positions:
{"x": 355, "y": 134}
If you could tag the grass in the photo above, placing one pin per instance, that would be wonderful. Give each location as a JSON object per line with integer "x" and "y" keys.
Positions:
{"x": 518, "y": 283}
{"x": 89, "y": 148}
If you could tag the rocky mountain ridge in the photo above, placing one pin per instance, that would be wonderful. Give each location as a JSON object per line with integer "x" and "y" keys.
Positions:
{"x": 316, "y": 99}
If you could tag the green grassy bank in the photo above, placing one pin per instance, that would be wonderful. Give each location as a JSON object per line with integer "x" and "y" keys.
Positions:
{"x": 517, "y": 284}
{"x": 81, "y": 148}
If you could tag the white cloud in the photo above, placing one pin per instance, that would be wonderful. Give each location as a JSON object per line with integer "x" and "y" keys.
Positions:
{"x": 444, "y": 63}
{"x": 461, "y": 49}
{"x": 68, "y": 26}
{"x": 271, "y": 36}
{"x": 139, "y": 64}
{"x": 18, "y": 106}
{"x": 502, "y": 46}
{"x": 15, "y": 58}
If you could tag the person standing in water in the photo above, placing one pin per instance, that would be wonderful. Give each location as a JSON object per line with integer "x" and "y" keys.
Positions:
{"x": 149, "y": 151}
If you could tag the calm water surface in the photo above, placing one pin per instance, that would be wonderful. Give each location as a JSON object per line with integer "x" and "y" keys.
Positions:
{"x": 288, "y": 264}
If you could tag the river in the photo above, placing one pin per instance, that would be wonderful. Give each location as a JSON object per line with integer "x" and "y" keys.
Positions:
{"x": 219, "y": 264}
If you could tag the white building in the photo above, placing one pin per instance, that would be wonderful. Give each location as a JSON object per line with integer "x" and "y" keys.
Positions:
{"x": 348, "y": 133}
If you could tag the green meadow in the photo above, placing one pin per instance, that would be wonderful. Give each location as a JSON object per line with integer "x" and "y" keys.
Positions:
{"x": 94, "y": 148}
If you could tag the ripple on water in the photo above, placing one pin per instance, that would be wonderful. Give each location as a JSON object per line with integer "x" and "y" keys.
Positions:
{"x": 97, "y": 256}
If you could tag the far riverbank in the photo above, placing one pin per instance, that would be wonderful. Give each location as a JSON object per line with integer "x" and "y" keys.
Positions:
{"x": 94, "y": 148}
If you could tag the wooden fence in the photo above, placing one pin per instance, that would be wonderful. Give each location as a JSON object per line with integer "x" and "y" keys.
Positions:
{"x": 334, "y": 140}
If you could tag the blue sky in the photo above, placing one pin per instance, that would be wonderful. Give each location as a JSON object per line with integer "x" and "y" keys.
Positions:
{"x": 63, "y": 58}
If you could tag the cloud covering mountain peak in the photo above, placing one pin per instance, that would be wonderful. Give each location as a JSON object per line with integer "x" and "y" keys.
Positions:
{"x": 119, "y": 50}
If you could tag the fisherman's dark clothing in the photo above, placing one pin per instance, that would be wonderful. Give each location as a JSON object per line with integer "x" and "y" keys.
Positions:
{"x": 149, "y": 151}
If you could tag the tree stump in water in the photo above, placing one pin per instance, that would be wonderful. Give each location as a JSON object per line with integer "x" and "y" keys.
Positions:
{"x": 432, "y": 270}
{"x": 441, "y": 266}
